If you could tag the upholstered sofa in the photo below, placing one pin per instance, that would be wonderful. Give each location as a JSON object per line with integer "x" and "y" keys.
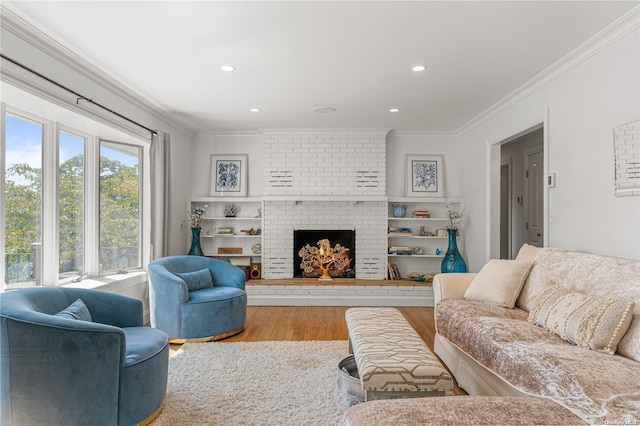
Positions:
{"x": 506, "y": 335}
{"x": 196, "y": 298}
{"x": 72, "y": 356}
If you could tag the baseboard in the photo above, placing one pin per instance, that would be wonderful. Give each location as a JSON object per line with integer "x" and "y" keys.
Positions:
{"x": 294, "y": 300}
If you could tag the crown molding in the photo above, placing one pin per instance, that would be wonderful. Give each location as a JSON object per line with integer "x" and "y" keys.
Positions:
{"x": 609, "y": 35}
{"x": 21, "y": 28}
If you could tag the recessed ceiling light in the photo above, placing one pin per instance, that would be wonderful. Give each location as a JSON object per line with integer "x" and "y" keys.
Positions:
{"x": 227, "y": 68}
{"x": 254, "y": 109}
{"x": 324, "y": 110}
{"x": 418, "y": 68}
{"x": 394, "y": 109}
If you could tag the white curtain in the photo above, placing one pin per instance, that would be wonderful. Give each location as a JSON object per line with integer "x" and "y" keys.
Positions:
{"x": 160, "y": 194}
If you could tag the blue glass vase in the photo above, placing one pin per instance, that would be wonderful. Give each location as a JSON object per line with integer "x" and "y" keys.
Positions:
{"x": 196, "y": 249}
{"x": 453, "y": 261}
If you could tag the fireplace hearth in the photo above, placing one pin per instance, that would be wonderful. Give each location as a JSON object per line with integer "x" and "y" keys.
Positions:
{"x": 312, "y": 237}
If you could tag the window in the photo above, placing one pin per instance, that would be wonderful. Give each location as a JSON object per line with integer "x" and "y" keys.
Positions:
{"x": 22, "y": 197}
{"x": 73, "y": 200}
{"x": 119, "y": 206}
{"x": 71, "y": 210}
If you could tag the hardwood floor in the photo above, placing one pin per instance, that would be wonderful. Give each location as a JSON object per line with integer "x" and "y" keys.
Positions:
{"x": 318, "y": 323}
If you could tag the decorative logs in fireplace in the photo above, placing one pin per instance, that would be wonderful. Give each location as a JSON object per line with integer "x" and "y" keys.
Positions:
{"x": 324, "y": 254}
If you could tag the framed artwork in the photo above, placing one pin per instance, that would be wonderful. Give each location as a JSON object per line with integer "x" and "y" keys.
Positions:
{"x": 425, "y": 175}
{"x": 228, "y": 175}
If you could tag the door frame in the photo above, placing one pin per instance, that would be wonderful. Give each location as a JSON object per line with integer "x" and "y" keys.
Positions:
{"x": 509, "y": 200}
{"x": 494, "y": 162}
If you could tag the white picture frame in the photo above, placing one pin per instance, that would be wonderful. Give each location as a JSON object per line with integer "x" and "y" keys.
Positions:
{"x": 424, "y": 175}
{"x": 228, "y": 175}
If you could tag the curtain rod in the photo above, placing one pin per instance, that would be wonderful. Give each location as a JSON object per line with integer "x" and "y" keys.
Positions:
{"x": 84, "y": 98}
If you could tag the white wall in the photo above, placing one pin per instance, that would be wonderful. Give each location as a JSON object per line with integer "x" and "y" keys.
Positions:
{"x": 584, "y": 104}
{"x": 399, "y": 144}
{"x": 241, "y": 143}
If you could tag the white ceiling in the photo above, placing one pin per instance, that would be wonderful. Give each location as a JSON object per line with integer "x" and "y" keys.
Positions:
{"x": 291, "y": 57}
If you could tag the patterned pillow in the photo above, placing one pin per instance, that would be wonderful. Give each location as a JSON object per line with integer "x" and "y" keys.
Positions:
{"x": 586, "y": 321}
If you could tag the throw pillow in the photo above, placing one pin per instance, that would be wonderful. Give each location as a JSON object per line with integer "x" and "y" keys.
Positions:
{"x": 526, "y": 252}
{"x": 196, "y": 280}
{"x": 499, "y": 282}
{"x": 586, "y": 321}
{"x": 77, "y": 311}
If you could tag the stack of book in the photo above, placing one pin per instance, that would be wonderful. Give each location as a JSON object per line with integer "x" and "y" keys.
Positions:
{"x": 394, "y": 272}
{"x": 421, "y": 213}
{"x": 403, "y": 250}
{"x": 225, "y": 230}
{"x": 402, "y": 232}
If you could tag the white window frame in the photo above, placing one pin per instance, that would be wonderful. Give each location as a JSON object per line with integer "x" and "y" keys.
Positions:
{"x": 50, "y": 186}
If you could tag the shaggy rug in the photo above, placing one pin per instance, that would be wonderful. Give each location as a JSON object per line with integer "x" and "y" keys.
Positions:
{"x": 255, "y": 383}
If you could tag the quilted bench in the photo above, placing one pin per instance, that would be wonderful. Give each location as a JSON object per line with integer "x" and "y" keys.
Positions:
{"x": 392, "y": 359}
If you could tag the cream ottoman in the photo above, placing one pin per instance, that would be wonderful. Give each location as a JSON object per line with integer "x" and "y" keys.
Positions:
{"x": 392, "y": 359}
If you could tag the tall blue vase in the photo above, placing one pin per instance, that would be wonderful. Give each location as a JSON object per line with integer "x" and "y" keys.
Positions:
{"x": 453, "y": 261}
{"x": 196, "y": 249}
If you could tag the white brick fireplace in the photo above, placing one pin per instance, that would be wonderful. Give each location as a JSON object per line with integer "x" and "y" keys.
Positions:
{"x": 328, "y": 180}
{"x": 325, "y": 180}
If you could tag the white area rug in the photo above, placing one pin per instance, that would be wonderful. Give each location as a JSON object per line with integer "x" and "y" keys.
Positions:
{"x": 255, "y": 383}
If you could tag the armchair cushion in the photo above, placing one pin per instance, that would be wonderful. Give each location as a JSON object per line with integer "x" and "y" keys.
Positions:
{"x": 77, "y": 311}
{"x": 196, "y": 280}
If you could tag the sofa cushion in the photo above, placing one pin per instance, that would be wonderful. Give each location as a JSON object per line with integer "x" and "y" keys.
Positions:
{"x": 499, "y": 282}
{"x": 77, "y": 311}
{"x": 197, "y": 280}
{"x": 594, "y": 323}
{"x": 596, "y": 386}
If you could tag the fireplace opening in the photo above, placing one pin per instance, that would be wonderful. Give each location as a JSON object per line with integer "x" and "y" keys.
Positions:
{"x": 342, "y": 249}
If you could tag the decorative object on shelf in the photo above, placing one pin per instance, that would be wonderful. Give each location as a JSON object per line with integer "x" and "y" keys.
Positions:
{"x": 422, "y": 214}
{"x": 195, "y": 221}
{"x": 256, "y": 212}
{"x": 256, "y": 271}
{"x": 425, "y": 175}
{"x": 229, "y": 250}
{"x": 324, "y": 257}
{"x": 417, "y": 250}
{"x": 414, "y": 276}
{"x": 230, "y": 210}
{"x": 423, "y": 233}
{"x": 441, "y": 233}
{"x": 400, "y": 232}
{"x": 228, "y": 175}
{"x": 196, "y": 249}
{"x": 455, "y": 217}
{"x": 256, "y": 248}
{"x": 453, "y": 261}
{"x": 225, "y": 230}
{"x": 438, "y": 251}
{"x": 399, "y": 210}
{"x": 196, "y": 216}
{"x": 252, "y": 231}
{"x": 400, "y": 250}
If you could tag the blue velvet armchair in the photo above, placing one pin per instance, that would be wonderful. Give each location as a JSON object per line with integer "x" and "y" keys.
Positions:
{"x": 196, "y": 298}
{"x": 96, "y": 365}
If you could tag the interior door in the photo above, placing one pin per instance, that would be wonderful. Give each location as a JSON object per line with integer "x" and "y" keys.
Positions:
{"x": 533, "y": 193}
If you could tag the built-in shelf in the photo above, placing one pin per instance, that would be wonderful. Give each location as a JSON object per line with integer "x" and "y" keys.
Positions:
{"x": 428, "y": 262}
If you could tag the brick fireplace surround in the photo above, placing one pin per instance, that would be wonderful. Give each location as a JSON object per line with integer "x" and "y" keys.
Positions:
{"x": 328, "y": 180}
